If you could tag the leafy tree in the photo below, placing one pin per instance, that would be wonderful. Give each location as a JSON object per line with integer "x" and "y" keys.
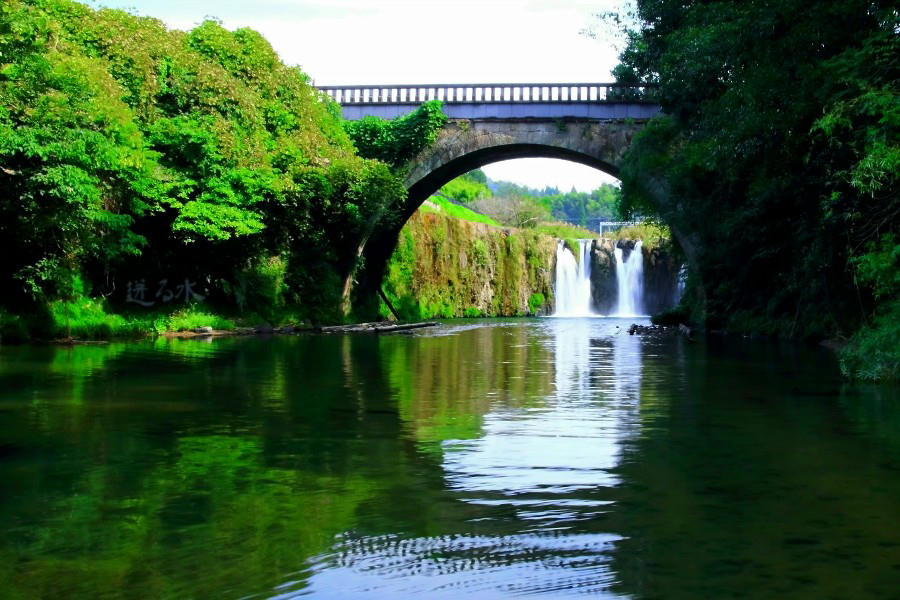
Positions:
{"x": 776, "y": 161}
{"x": 467, "y": 188}
{"x": 127, "y": 149}
{"x": 397, "y": 141}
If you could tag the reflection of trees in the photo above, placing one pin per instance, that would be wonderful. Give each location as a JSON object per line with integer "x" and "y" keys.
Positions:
{"x": 445, "y": 384}
{"x": 220, "y": 469}
{"x": 195, "y": 469}
{"x": 198, "y": 471}
{"x": 532, "y": 485}
{"x": 747, "y": 480}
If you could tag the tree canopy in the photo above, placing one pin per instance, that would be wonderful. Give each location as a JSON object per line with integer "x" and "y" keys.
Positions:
{"x": 127, "y": 148}
{"x": 778, "y": 156}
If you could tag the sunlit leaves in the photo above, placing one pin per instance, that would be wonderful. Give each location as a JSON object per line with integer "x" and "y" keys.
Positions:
{"x": 118, "y": 136}
{"x": 396, "y": 142}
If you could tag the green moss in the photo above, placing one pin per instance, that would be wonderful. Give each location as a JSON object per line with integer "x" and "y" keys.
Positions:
{"x": 480, "y": 252}
{"x": 536, "y": 302}
{"x": 446, "y": 267}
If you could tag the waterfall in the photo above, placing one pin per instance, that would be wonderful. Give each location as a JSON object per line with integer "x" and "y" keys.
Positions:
{"x": 630, "y": 281}
{"x": 680, "y": 285}
{"x": 573, "y": 281}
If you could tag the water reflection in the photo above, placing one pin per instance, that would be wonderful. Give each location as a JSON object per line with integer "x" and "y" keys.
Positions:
{"x": 451, "y": 566}
{"x": 538, "y": 457}
{"x": 539, "y": 472}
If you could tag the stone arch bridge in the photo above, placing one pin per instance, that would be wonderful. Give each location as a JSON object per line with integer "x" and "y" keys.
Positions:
{"x": 588, "y": 123}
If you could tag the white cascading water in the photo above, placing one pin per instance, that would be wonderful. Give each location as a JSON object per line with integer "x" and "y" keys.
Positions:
{"x": 573, "y": 281}
{"x": 680, "y": 285}
{"x": 630, "y": 280}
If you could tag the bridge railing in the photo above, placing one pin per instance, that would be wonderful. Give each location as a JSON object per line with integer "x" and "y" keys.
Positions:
{"x": 491, "y": 93}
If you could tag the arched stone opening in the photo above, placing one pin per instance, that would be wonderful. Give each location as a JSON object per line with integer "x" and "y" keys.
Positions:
{"x": 465, "y": 145}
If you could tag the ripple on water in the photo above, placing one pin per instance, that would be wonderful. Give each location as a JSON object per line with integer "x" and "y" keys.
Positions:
{"x": 546, "y": 563}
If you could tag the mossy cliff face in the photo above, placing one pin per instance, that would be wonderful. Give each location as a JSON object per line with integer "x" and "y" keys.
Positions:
{"x": 445, "y": 267}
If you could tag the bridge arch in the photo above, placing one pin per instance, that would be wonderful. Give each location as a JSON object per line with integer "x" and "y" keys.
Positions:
{"x": 591, "y": 124}
{"x": 464, "y": 145}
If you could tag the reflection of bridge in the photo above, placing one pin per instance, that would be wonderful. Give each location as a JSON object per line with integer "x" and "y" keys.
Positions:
{"x": 588, "y": 123}
{"x": 499, "y": 100}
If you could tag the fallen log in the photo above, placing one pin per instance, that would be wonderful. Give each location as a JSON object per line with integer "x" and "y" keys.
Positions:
{"x": 374, "y": 327}
{"x": 345, "y": 328}
{"x": 404, "y": 327}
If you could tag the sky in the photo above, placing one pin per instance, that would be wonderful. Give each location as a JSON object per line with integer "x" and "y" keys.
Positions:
{"x": 355, "y": 42}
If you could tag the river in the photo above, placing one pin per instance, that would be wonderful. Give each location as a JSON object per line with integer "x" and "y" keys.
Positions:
{"x": 487, "y": 459}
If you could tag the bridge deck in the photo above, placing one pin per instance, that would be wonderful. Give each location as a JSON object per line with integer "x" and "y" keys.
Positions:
{"x": 597, "y": 101}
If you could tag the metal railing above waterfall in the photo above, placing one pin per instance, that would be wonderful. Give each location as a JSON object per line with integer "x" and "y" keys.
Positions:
{"x": 492, "y": 93}
{"x": 600, "y": 226}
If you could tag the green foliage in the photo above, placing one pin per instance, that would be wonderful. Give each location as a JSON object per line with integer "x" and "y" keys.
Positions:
{"x": 193, "y": 317}
{"x": 88, "y": 318}
{"x": 440, "y": 308}
{"x": 653, "y": 235}
{"x": 536, "y": 302}
{"x": 445, "y": 207}
{"x": 261, "y": 286}
{"x": 476, "y": 176}
{"x": 777, "y": 161}
{"x": 480, "y": 252}
{"x": 582, "y": 208}
{"x": 579, "y": 208}
{"x": 397, "y": 141}
{"x": 873, "y": 353}
{"x": 126, "y": 149}
{"x": 467, "y": 188}
{"x": 879, "y": 266}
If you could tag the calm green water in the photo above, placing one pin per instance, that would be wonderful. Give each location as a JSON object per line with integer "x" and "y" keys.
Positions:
{"x": 544, "y": 458}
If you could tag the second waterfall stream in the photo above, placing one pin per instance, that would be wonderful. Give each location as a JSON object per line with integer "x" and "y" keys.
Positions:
{"x": 630, "y": 280}
{"x": 573, "y": 282}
